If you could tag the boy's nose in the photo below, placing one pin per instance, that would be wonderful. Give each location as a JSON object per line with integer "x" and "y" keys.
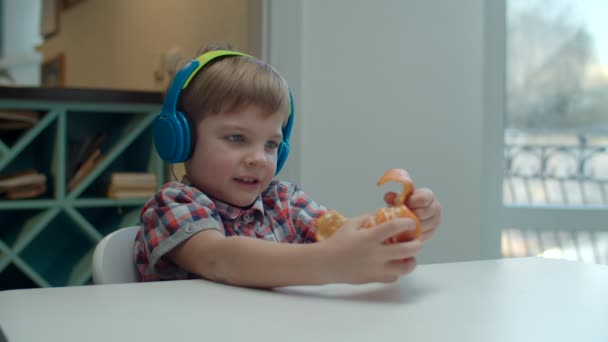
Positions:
{"x": 256, "y": 156}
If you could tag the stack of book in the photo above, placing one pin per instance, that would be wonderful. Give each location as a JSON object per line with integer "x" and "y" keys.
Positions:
{"x": 85, "y": 156}
{"x": 132, "y": 185}
{"x": 23, "y": 184}
{"x": 18, "y": 119}
{"x": 85, "y": 169}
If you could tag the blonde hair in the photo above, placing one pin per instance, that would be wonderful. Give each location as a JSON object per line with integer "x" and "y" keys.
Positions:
{"x": 233, "y": 82}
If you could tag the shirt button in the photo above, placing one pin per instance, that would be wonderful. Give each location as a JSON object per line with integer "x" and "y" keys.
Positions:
{"x": 248, "y": 218}
{"x": 188, "y": 229}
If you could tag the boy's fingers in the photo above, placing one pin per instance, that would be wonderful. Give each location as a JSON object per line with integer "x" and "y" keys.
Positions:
{"x": 403, "y": 250}
{"x": 421, "y": 198}
{"x": 425, "y": 213}
{"x": 427, "y": 235}
{"x": 401, "y": 267}
{"x": 357, "y": 221}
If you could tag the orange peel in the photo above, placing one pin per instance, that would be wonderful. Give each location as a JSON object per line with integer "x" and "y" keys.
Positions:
{"x": 331, "y": 221}
{"x": 401, "y": 176}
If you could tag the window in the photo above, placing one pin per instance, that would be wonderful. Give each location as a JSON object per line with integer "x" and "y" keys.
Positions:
{"x": 556, "y": 130}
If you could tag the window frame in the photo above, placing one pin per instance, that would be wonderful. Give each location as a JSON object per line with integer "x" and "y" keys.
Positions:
{"x": 498, "y": 216}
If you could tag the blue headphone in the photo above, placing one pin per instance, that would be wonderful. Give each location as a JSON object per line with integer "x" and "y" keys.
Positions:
{"x": 172, "y": 135}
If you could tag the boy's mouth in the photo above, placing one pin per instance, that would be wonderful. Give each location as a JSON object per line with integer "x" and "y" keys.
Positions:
{"x": 247, "y": 180}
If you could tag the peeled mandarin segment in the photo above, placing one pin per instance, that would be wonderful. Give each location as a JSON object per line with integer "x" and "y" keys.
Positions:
{"x": 381, "y": 215}
{"x": 403, "y": 211}
{"x": 386, "y": 214}
{"x": 327, "y": 224}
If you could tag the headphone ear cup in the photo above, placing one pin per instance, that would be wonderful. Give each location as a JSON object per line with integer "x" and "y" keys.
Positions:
{"x": 282, "y": 154}
{"x": 172, "y": 137}
{"x": 185, "y": 137}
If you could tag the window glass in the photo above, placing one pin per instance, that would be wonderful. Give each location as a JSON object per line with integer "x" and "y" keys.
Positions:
{"x": 556, "y": 130}
{"x": 556, "y": 124}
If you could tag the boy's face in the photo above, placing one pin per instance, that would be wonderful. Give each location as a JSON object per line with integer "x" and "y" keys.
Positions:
{"x": 235, "y": 155}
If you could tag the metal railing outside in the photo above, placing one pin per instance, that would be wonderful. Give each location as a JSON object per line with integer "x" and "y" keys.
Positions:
{"x": 549, "y": 169}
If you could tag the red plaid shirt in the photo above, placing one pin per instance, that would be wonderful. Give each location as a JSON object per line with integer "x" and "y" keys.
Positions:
{"x": 282, "y": 213}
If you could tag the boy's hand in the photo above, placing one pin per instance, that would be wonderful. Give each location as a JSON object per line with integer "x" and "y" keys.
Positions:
{"x": 359, "y": 255}
{"x": 426, "y": 206}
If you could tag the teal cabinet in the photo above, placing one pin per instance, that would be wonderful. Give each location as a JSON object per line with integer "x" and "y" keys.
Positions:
{"x": 48, "y": 240}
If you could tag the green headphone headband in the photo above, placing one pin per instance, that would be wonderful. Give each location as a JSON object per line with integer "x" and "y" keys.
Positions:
{"x": 209, "y": 56}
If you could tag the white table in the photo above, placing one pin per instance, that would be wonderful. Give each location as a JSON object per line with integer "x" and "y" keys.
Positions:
{"x": 529, "y": 299}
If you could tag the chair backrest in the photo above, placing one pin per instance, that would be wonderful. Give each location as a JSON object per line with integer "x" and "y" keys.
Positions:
{"x": 113, "y": 258}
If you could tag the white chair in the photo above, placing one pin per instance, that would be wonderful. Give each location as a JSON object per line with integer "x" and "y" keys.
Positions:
{"x": 113, "y": 258}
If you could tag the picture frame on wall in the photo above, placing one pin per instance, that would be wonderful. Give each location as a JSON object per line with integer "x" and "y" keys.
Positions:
{"x": 52, "y": 72}
{"x": 49, "y": 21}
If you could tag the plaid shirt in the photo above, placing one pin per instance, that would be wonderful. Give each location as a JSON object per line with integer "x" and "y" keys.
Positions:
{"x": 282, "y": 213}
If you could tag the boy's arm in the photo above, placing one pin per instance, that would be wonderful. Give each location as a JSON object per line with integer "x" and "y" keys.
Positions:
{"x": 245, "y": 261}
{"x": 351, "y": 255}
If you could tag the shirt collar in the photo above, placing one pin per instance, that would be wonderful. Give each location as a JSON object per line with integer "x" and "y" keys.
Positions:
{"x": 231, "y": 212}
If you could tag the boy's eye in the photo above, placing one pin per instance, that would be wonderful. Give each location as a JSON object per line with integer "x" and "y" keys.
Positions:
{"x": 235, "y": 138}
{"x": 272, "y": 145}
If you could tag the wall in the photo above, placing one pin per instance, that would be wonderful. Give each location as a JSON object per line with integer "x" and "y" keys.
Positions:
{"x": 20, "y": 33}
{"x": 388, "y": 84}
{"x": 118, "y": 44}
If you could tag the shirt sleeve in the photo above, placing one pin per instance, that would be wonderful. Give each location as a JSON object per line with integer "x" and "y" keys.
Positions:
{"x": 172, "y": 216}
{"x": 304, "y": 211}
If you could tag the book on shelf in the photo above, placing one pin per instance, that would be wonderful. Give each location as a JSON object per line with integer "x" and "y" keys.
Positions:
{"x": 131, "y": 193}
{"x": 23, "y": 184}
{"x": 85, "y": 169}
{"x": 132, "y": 185}
{"x": 21, "y": 178}
{"x": 133, "y": 179}
{"x": 18, "y": 119}
{"x": 82, "y": 150}
{"x": 27, "y": 191}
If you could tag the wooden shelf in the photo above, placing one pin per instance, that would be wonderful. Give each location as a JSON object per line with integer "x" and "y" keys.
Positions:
{"x": 49, "y": 240}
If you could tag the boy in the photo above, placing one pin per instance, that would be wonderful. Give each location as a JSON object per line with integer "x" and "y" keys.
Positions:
{"x": 228, "y": 116}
